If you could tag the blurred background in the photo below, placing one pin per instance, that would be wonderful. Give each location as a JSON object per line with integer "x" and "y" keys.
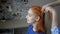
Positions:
{"x": 13, "y": 13}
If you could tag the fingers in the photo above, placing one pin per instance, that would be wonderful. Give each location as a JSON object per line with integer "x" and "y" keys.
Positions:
{"x": 43, "y": 8}
{"x": 46, "y": 8}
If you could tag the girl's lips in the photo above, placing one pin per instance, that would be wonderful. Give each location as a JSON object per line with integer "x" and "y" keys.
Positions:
{"x": 27, "y": 20}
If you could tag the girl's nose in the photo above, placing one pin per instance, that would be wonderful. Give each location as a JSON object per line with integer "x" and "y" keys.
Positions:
{"x": 26, "y": 16}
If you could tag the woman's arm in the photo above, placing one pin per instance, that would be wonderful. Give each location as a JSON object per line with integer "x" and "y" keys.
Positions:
{"x": 53, "y": 4}
{"x": 54, "y": 15}
{"x": 56, "y": 3}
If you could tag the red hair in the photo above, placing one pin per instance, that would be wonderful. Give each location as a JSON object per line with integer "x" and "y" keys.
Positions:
{"x": 40, "y": 27}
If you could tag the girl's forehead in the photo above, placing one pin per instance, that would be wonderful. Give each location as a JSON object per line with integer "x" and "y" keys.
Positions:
{"x": 30, "y": 11}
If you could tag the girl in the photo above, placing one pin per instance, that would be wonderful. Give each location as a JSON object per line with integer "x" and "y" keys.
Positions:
{"x": 35, "y": 19}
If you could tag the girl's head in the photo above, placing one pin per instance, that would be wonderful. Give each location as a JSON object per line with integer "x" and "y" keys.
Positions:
{"x": 35, "y": 15}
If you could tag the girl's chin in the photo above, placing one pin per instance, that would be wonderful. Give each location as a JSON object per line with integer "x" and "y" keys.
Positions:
{"x": 28, "y": 22}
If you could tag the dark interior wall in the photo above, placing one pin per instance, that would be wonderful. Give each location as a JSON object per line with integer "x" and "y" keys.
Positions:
{"x": 20, "y": 30}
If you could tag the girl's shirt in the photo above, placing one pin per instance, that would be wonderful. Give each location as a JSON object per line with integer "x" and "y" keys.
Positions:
{"x": 30, "y": 30}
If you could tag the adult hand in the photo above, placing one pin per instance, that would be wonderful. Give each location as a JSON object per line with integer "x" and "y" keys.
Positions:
{"x": 44, "y": 8}
{"x": 47, "y": 8}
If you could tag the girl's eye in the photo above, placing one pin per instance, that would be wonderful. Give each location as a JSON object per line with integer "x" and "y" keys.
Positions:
{"x": 29, "y": 15}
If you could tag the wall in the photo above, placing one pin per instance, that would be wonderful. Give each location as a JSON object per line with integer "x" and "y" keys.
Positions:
{"x": 16, "y": 18}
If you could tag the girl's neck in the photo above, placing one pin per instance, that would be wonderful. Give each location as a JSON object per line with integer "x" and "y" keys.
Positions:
{"x": 34, "y": 26}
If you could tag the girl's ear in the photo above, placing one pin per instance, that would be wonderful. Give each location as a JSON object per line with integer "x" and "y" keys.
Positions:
{"x": 37, "y": 18}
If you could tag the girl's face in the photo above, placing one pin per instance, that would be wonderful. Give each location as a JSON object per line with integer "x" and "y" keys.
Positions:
{"x": 31, "y": 17}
